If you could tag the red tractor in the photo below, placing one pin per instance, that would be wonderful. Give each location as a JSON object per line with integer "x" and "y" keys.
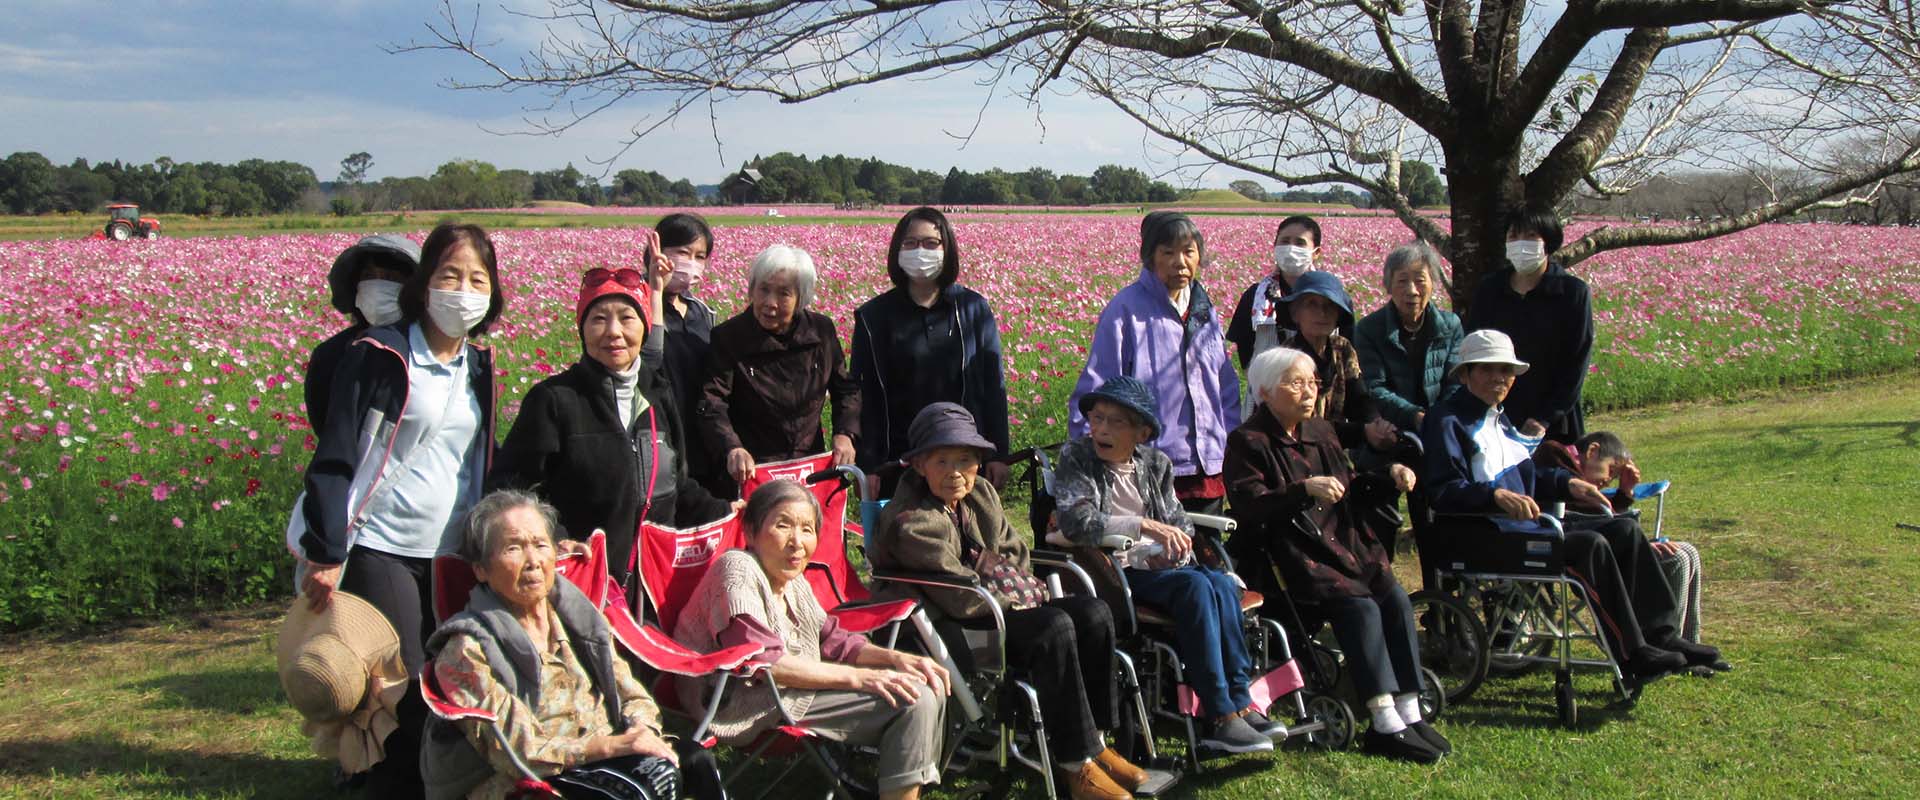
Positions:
{"x": 124, "y": 222}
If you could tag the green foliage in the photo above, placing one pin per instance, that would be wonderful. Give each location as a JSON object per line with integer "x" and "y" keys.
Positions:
{"x": 1249, "y": 189}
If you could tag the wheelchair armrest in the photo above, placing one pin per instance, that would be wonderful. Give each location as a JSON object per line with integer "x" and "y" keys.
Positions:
{"x": 1224, "y": 525}
{"x": 1056, "y": 559}
{"x": 946, "y": 580}
{"x": 1111, "y": 541}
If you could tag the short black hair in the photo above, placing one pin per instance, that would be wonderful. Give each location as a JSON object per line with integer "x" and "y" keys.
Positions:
{"x": 1544, "y": 223}
{"x": 444, "y": 238}
{"x": 1312, "y": 226}
{"x": 949, "y": 270}
{"x": 1611, "y": 446}
{"x": 1168, "y": 227}
{"x": 682, "y": 228}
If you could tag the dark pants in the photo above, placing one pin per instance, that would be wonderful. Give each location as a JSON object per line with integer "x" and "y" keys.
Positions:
{"x": 1065, "y": 648}
{"x": 1612, "y": 558}
{"x": 402, "y": 588}
{"x": 1377, "y": 638}
{"x": 1210, "y": 638}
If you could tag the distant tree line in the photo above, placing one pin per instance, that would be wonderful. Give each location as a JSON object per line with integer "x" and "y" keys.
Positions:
{"x": 30, "y": 184}
{"x": 790, "y": 178}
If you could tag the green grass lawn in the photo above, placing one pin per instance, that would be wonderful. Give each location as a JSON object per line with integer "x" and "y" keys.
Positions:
{"x": 1792, "y": 499}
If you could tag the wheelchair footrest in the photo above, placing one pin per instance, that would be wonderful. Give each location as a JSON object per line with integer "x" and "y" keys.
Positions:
{"x": 1158, "y": 781}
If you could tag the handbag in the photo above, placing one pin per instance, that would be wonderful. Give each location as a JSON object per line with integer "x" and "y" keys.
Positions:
{"x": 1012, "y": 587}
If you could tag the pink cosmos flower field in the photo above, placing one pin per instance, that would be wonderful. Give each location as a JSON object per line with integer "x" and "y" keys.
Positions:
{"x": 152, "y": 431}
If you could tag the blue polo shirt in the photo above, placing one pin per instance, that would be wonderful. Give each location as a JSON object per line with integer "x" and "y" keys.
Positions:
{"x": 428, "y": 484}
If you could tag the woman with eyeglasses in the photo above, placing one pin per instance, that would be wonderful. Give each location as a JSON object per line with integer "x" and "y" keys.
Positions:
{"x": 1294, "y": 492}
{"x": 775, "y": 364}
{"x": 926, "y": 340}
{"x": 603, "y": 441}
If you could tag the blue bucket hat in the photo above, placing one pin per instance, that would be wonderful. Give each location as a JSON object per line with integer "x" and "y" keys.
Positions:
{"x": 1129, "y": 393}
{"x": 1326, "y": 285}
{"x": 944, "y": 425}
{"x": 344, "y": 278}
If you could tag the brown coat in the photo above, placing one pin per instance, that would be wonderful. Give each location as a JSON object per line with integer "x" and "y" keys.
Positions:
{"x": 765, "y": 392}
{"x": 1266, "y": 474}
{"x": 916, "y": 534}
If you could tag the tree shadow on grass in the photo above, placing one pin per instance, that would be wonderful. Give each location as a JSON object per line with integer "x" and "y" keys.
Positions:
{"x": 1532, "y": 706}
{"x": 1801, "y": 441}
{"x": 136, "y": 768}
{"x": 242, "y": 691}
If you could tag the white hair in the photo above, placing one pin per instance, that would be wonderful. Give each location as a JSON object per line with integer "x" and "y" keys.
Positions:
{"x": 1413, "y": 254}
{"x": 1265, "y": 371}
{"x": 786, "y": 258}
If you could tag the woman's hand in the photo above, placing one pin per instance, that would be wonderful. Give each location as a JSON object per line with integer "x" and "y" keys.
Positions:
{"x": 1516, "y": 505}
{"x": 740, "y": 464}
{"x": 926, "y": 669}
{"x": 996, "y": 473}
{"x": 1629, "y": 476}
{"x": 643, "y": 742}
{"x": 1403, "y": 478}
{"x": 1381, "y": 434}
{"x": 1533, "y": 428}
{"x": 892, "y": 685}
{"x": 842, "y": 450}
{"x": 1177, "y": 542}
{"x": 1326, "y": 489}
{"x": 319, "y": 584}
{"x": 567, "y": 547}
{"x": 1665, "y": 549}
{"x": 1588, "y": 495}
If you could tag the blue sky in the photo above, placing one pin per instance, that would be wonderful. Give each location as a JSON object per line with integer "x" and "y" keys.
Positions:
{"x": 310, "y": 82}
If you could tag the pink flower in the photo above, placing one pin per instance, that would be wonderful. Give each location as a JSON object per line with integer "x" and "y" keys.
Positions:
{"x": 161, "y": 491}
{"x": 179, "y": 523}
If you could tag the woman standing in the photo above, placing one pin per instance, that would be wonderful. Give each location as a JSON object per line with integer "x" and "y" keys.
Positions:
{"x": 1161, "y": 329}
{"x": 927, "y": 340}
{"x": 1260, "y": 321}
{"x": 408, "y": 441}
{"x": 365, "y": 281}
{"x": 1548, "y": 313}
{"x": 774, "y": 366}
{"x": 1406, "y": 346}
{"x": 687, "y": 243}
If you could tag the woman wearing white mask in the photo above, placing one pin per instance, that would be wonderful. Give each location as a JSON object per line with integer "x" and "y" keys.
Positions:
{"x": 687, "y": 242}
{"x": 1260, "y": 321}
{"x": 405, "y": 451}
{"x": 365, "y": 281}
{"x": 1549, "y": 315}
{"x": 927, "y": 340}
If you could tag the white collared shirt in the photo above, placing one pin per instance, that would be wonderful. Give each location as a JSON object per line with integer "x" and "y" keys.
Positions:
{"x": 428, "y": 486}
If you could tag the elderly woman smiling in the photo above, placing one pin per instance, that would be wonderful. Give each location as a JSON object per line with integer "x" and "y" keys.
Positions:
{"x": 774, "y": 366}
{"x": 537, "y": 654}
{"x": 836, "y": 683}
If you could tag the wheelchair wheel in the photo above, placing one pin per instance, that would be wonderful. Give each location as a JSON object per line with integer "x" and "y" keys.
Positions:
{"x": 1341, "y": 728}
{"x": 1433, "y": 698}
{"x": 1325, "y": 673}
{"x": 1563, "y": 699}
{"x": 1502, "y": 626}
{"x": 1453, "y": 642}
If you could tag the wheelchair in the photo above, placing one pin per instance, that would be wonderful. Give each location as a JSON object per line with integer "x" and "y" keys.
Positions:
{"x": 1146, "y": 637}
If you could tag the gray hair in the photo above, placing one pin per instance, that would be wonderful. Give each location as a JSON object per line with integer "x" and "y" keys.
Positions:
{"x": 1411, "y": 254}
{"x": 786, "y": 258}
{"x": 1267, "y": 367}
{"x": 772, "y": 495}
{"x": 483, "y": 521}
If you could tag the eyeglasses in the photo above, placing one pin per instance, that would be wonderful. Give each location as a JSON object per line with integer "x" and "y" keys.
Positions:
{"x": 1300, "y": 385}
{"x": 626, "y": 276}
{"x": 921, "y": 244}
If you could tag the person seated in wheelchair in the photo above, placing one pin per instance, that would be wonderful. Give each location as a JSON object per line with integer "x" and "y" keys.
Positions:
{"x": 834, "y": 683}
{"x": 943, "y": 519}
{"x": 536, "y": 653}
{"x": 1113, "y": 482}
{"x": 1601, "y": 458}
{"x": 1479, "y": 463}
{"x": 1294, "y": 491}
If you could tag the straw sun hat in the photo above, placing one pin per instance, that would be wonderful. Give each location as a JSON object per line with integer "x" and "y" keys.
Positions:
{"x": 341, "y": 670}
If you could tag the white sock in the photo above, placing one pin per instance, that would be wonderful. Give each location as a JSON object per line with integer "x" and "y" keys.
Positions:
{"x": 1409, "y": 707}
{"x": 1385, "y": 718}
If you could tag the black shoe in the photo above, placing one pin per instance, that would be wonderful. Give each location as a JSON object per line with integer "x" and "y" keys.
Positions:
{"x": 1648, "y": 661}
{"x": 1698, "y": 655}
{"x": 1405, "y": 746}
{"x": 1432, "y": 737}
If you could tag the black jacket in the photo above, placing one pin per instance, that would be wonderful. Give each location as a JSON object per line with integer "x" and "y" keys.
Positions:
{"x": 765, "y": 392}
{"x": 1552, "y": 330}
{"x": 568, "y": 446}
{"x": 320, "y": 368}
{"x": 889, "y": 399}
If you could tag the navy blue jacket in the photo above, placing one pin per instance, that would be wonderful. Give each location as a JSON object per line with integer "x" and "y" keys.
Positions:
{"x": 320, "y": 368}
{"x": 887, "y": 408}
{"x": 1454, "y": 434}
{"x": 1552, "y": 330}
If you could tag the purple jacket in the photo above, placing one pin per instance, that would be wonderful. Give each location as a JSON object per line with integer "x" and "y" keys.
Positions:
{"x": 1198, "y": 392}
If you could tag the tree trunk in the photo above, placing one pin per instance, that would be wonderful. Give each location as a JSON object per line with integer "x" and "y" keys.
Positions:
{"x": 1485, "y": 186}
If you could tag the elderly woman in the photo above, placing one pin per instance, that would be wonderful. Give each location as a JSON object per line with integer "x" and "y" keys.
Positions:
{"x": 1293, "y": 490}
{"x": 1112, "y": 482}
{"x": 1405, "y": 346}
{"x": 378, "y": 510}
{"x": 837, "y": 684}
{"x": 926, "y": 340}
{"x": 537, "y": 654}
{"x": 1478, "y": 463}
{"x": 1260, "y": 320}
{"x": 1321, "y": 309}
{"x": 774, "y": 366}
{"x": 944, "y": 520}
{"x": 365, "y": 281}
{"x": 603, "y": 441}
{"x": 1548, "y": 314}
{"x": 1161, "y": 329}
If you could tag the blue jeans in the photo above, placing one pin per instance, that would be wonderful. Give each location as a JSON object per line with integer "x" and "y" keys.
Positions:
{"x": 1210, "y": 636}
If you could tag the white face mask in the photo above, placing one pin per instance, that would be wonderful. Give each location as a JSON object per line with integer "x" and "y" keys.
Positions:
{"x": 686, "y": 274}
{"x": 455, "y": 313}
{"x": 1292, "y": 260}
{"x": 378, "y": 300}
{"x": 922, "y": 264}
{"x": 1528, "y": 255}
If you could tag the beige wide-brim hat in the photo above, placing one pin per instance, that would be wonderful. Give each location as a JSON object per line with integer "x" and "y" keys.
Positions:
{"x": 1487, "y": 347}
{"x": 341, "y": 669}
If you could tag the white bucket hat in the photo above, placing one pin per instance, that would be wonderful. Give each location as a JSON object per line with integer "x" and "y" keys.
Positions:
{"x": 1487, "y": 347}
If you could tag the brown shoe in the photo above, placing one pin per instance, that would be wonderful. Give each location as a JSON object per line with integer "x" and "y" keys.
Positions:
{"x": 1092, "y": 783}
{"x": 1130, "y": 777}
